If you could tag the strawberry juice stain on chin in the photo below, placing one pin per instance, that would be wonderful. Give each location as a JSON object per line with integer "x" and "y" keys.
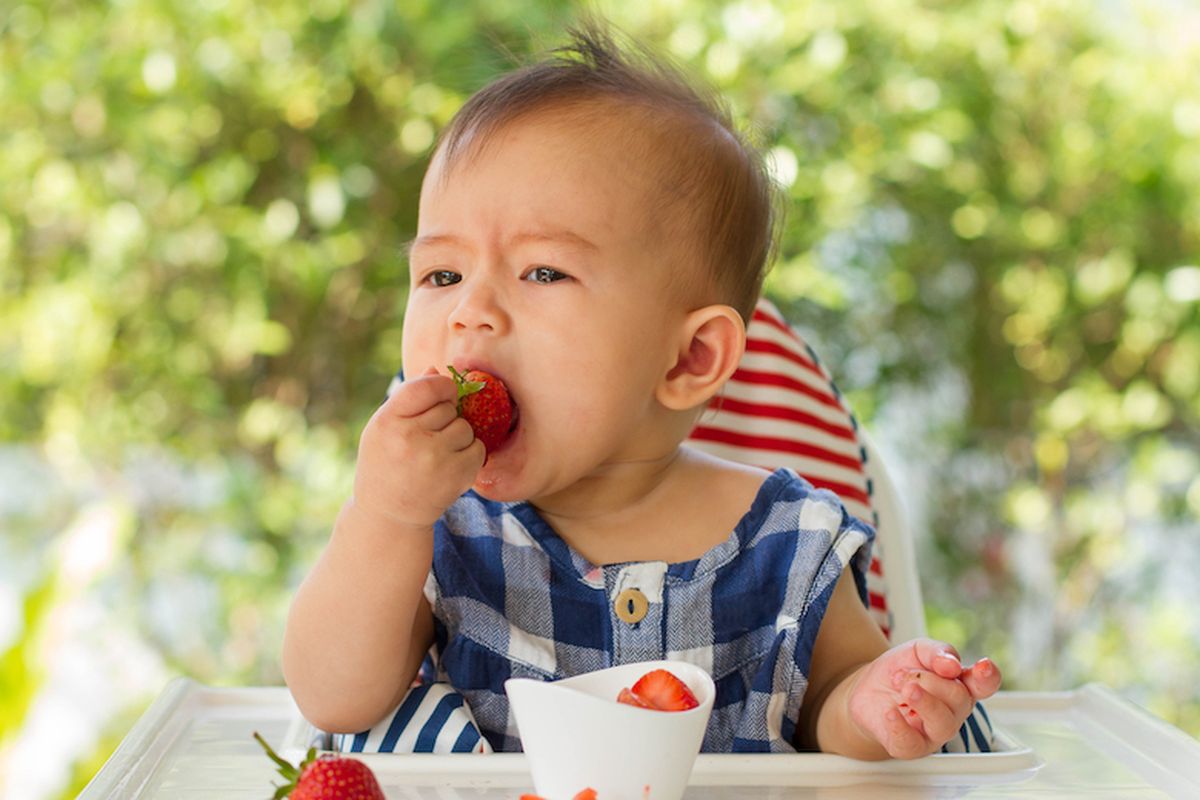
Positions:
{"x": 500, "y": 470}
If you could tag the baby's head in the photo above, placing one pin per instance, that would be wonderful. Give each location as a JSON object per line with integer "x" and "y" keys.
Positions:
{"x": 706, "y": 190}
{"x": 594, "y": 232}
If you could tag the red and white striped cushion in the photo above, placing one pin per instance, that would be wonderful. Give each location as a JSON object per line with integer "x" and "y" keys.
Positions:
{"x": 781, "y": 409}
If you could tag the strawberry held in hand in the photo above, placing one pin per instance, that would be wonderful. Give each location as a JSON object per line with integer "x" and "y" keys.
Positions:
{"x": 484, "y": 402}
{"x": 329, "y": 777}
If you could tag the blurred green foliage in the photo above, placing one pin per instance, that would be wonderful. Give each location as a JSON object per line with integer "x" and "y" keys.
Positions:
{"x": 993, "y": 241}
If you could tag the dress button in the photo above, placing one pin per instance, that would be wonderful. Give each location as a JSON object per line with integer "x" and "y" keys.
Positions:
{"x": 631, "y": 606}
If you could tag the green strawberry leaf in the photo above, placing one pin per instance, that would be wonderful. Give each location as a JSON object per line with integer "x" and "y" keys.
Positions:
{"x": 288, "y": 771}
{"x": 465, "y": 387}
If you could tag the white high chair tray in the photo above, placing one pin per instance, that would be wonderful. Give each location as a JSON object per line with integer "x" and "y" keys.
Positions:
{"x": 195, "y": 741}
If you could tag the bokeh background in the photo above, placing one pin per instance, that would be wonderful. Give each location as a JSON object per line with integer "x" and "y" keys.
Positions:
{"x": 993, "y": 241}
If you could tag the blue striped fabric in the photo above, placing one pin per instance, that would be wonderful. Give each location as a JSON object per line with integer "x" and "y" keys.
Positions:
{"x": 432, "y": 718}
{"x": 975, "y": 736}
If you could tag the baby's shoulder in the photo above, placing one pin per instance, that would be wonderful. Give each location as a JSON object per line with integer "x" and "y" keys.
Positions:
{"x": 721, "y": 492}
{"x": 722, "y": 476}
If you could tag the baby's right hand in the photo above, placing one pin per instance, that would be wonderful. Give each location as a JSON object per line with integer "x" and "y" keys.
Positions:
{"x": 416, "y": 455}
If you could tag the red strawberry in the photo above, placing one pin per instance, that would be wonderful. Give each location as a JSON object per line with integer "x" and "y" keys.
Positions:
{"x": 483, "y": 401}
{"x": 659, "y": 689}
{"x": 630, "y": 699}
{"x": 585, "y": 794}
{"x": 329, "y": 777}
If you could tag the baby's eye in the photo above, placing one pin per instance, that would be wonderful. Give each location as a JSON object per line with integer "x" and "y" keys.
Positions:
{"x": 443, "y": 277}
{"x": 544, "y": 275}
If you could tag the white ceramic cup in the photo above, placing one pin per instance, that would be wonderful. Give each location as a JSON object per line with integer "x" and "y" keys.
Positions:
{"x": 576, "y": 735}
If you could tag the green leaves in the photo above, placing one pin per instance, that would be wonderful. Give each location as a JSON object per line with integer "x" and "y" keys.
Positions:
{"x": 465, "y": 387}
{"x": 287, "y": 770}
{"x": 992, "y": 240}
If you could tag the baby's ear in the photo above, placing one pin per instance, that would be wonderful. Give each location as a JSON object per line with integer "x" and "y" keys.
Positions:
{"x": 710, "y": 345}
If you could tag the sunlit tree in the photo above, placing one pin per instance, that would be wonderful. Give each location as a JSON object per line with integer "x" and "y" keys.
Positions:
{"x": 993, "y": 240}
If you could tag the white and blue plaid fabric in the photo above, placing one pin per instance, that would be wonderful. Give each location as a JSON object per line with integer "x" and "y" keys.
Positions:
{"x": 512, "y": 599}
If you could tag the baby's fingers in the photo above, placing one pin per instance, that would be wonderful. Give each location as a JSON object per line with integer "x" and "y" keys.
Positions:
{"x": 900, "y": 739}
{"x": 938, "y": 656}
{"x": 982, "y": 678}
{"x": 929, "y": 714}
{"x": 951, "y": 693}
{"x": 413, "y": 398}
{"x": 437, "y": 417}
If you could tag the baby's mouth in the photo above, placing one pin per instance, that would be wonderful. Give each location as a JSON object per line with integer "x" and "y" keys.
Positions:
{"x": 516, "y": 415}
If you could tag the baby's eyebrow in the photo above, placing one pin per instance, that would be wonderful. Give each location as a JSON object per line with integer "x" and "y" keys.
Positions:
{"x": 562, "y": 235}
{"x": 431, "y": 239}
{"x": 553, "y": 235}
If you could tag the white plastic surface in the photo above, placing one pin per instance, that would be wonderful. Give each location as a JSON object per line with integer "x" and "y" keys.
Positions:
{"x": 195, "y": 742}
{"x": 897, "y": 553}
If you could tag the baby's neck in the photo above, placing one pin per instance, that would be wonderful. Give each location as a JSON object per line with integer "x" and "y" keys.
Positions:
{"x": 613, "y": 492}
{"x": 671, "y": 509}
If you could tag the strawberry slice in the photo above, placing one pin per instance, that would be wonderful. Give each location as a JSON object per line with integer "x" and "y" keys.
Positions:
{"x": 630, "y": 699}
{"x": 660, "y": 690}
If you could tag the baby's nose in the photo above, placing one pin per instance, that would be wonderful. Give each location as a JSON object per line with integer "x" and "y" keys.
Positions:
{"x": 479, "y": 308}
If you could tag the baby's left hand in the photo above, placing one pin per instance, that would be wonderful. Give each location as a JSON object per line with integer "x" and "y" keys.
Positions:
{"x": 915, "y": 697}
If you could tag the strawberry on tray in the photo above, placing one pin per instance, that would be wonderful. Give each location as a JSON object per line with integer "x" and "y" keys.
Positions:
{"x": 329, "y": 777}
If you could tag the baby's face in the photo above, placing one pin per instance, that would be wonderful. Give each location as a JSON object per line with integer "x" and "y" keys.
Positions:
{"x": 538, "y": 261}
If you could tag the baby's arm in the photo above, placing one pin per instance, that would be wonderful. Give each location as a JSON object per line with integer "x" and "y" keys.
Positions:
{"x": 359, "y": 625}
{"x": 867, "y": 701}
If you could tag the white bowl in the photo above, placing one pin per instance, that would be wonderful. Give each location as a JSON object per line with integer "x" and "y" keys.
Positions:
{"x": 576, "y": 735}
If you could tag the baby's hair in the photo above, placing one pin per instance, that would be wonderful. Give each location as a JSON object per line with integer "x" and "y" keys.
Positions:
{"x": 728, "y": 205}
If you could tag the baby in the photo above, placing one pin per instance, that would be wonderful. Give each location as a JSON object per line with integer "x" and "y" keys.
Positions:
{"x": 593, "y": 232}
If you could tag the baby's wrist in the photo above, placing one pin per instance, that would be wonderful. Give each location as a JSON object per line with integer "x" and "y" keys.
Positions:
{"x": 839, "y": 729}
{"x": 864, "y": 740}
{"x": 362, "y": 515}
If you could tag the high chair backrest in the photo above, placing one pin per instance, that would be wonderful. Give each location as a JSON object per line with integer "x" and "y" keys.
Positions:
{"x": 782, "y": 409}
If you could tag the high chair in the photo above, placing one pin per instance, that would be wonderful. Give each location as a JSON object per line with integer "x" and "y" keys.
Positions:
{"x": 780, "y": 410}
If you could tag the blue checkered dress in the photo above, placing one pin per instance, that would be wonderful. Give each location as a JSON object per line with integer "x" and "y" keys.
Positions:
{"x": 512, "y": 599}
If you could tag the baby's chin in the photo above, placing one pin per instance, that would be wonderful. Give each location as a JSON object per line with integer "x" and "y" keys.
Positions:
{"x": 498, "y": 480}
